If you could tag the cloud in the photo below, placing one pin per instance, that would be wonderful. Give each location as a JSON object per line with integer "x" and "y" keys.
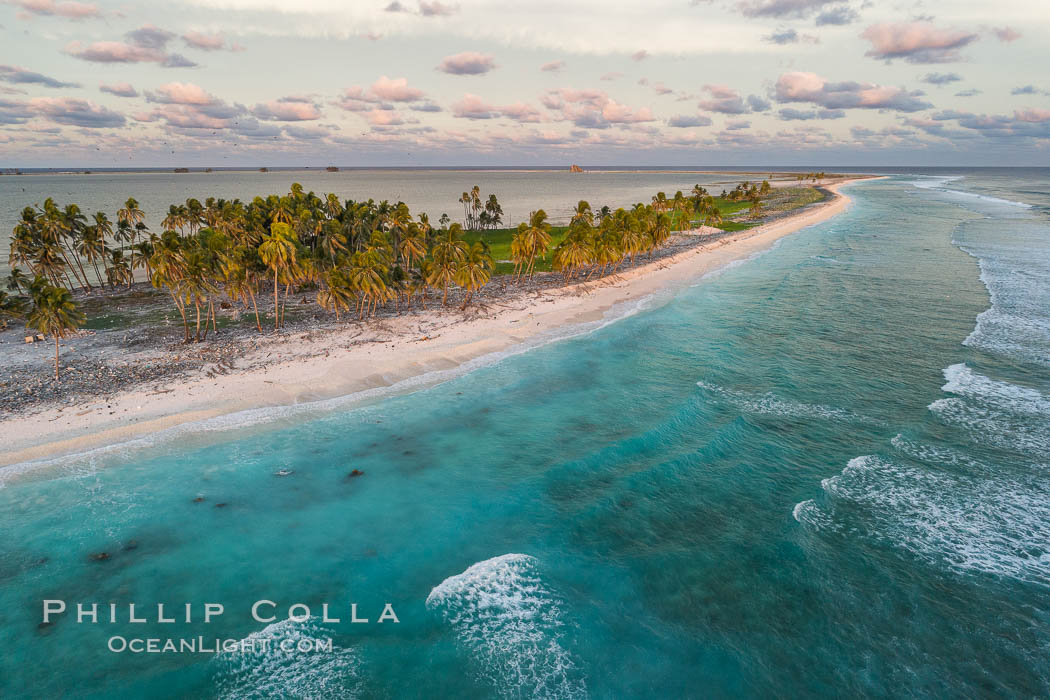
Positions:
{"x": 1033, "y": 116}
{"x": 473, "y": 107}
{"x": 14, "y": 112}
{"x": 147, "y": 44}
{"x": 74, "y": 112}
{"x": 837, "y": 16}
{"x": 395, "y": 7}
{"x": 737, "y": 124}
{"x": 941, "y": 78}
{"x": 782, "y": 8}
{"x": 287, "y": 109}
{"x": 1024, "y": 124}
{"x": 972, "y": 92}
{"x": 611, "y": 76}
{"x": 437, "y": 9}
{"x": 380, "y": 98}
{"x": 50, "y": 8}
{"x": 683, "y": 121}
{"x": 1028, "y": 90}
{"x": 723, "y": 99}
{"x": 788, "y": 114}
{"x": 384, "y": 117}
{"x": 395, "y": 90}
{"x": 593, "y": 109}
{"x": 204, "y": 42}
{"x": 1006, "y": 34}
{"x": 758, "y": 104}
{"x": 467, "y": 63}
{"x": 18, "y": 75}
{"x": 553, "y": 67}
{"x": 149, "y": 37}
{"x": 181, "y": 94}
{"x": 916, "y": 42}
{"x": 640, "y": 55}
{"x": 810, "y": 87}
{"x": 789, "y": 36}
{"x": 119, "y": 89}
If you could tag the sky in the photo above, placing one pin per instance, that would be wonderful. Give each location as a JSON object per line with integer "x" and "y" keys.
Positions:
{"x": 530, "y": 82}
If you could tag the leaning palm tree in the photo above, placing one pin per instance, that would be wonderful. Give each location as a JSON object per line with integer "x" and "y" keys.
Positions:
{"x": 54, "y": 313}
{"x": 537, "y": 237}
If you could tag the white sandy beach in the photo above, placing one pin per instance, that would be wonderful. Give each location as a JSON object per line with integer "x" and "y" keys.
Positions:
{"x": 326, "y": 364}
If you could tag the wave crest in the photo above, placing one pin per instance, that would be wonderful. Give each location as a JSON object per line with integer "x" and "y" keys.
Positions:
{"x": 511, "y": 623}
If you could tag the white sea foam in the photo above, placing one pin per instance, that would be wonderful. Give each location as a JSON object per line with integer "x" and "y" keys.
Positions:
{"x": 938, "y": 184}
{"x": 963, "y": 381}
{"x": 275, "y": 672}
{"x": 992, "y": 426}
{"x": 994, "y": 525}
{"x": 769, "y": 404}
{"x": 305, "y": 410}
{"x": 934, "y": 454}
{"x": 511, "y": 624}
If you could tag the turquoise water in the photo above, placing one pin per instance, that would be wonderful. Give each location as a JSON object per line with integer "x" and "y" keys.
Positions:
{"x": 818, "y": 473}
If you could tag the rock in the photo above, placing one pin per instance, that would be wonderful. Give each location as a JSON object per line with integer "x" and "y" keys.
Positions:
{"x": 355, "y": 473}
{"x": 100, "y": 556}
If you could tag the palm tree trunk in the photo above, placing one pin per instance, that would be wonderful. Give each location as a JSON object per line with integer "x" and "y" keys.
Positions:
{"x": 56, "y": 357}
{"x": 276, "y": 308}
{"x": 197, "y": 304}
{"x": 256, "y": 309}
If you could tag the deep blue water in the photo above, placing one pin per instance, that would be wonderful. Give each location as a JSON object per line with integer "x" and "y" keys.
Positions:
{"x": 818, "y": 473}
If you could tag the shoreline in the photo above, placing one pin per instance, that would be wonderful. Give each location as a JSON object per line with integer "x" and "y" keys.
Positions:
{"x": 330, "y": 366}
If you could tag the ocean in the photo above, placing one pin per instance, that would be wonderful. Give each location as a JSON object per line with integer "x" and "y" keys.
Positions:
{"x": 817, "y": 473}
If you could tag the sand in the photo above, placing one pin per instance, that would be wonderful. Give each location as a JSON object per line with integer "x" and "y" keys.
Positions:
{"x": 328, "y": 364}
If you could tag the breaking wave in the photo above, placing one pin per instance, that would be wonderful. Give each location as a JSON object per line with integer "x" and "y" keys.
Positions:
{"x": 261, "y": 668}
{"x": 511, "y": 624}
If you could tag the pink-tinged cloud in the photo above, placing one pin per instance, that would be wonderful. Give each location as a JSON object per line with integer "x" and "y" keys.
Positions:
{"x": 810, "y": 87}
{"x": 288, "y": 109}
{"x": 69, "y": 9}
{"x": 119, "y": 52}
{"x": 395, "y": 90}
{"x": 437, "y": 9}
{"x": 593, "y": 109}
{"x": 1006, "y": 34}
{"x": 724, "y": 100}
{"x": 553, "y": 66}
{"x": 916, "y": 42}
{"x": 1032, "y": 115}
{"x": 204, "y": 42}
{"x": 119, "y": 89}
{"x": 521, "y": 112}
{"x": 467, "y": 63}
{"x": 473, "y": 107}
{"x": 384, "y": 117}
{"x": 182, "y": 94}
{"x": 640, "y": 55}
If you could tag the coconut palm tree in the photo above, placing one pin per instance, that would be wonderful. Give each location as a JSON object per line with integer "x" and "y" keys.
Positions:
{"x": 278, "y": 252}
{"x": 54, "y": 313}
{"x": 537, "y": 238}
{"x": 474, "y": 271}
